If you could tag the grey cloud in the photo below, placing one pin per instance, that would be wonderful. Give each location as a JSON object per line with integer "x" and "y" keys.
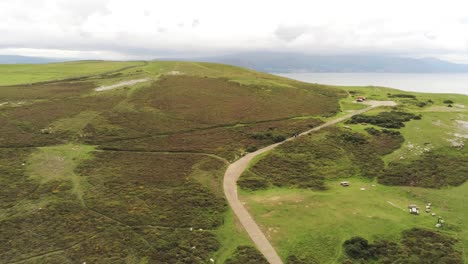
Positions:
{"x": 195, "y": 23}
{"x": 290, "y": 33}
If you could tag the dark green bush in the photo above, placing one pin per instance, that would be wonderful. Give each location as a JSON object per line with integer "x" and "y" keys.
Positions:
{"x": 410, "y": 96}
{"x": 358, "y": 248}
{"x": 393, "y": 119}
{"x": 307, "y": 161}
{"x": 353, "y": 138}
{"x": 275, "y": 138}
{"x": 251, "y": 149}
{"x": 250, "y": 181}
{"x": 372, "y": 131}
{"x": 279, "y": 138}
{"x": 292, "y": 259}
{"x": 421, "y": 104}
{"x": 246, "y": 255}
{"x": 416, "y": 246}
{"x": 431, "y": 171}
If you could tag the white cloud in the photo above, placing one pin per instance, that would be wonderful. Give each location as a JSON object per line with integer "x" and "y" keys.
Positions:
{"x": 290, "y": 32}
{"x": 149, "y": 28}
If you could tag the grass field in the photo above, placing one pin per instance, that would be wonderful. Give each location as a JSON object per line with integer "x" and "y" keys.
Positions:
{"x": 31, "y": 73}
{"x": 312, "y": 222}
{"x": 58, "y": 163}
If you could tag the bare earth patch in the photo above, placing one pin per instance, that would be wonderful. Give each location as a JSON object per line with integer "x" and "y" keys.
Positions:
{"x": 458, "y": 140}
{"x": 120, "y": 84}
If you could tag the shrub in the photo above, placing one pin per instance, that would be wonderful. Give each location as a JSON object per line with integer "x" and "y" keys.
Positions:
{"x": 250, "y": 181}
{"x": 410, "y": 96}
{"x": 246, "y": 255}
{"x": 416, "y": 246}
{"x": 279, "y": 138}
{"x": 251, "y": 149}
{"x": 331, "y": 153}
{"x": 431, "y": 171}
{"x": 421, "y": 104}
{"x": 292, "y": 259}
{"x": 358, "y": 248}
{"x": 393, "y": 119}
{"x": 275, "y": 138}
{"x": 448, "y": 102}
{"x": 372, "y": 131}
{"x": 354, "y": 138}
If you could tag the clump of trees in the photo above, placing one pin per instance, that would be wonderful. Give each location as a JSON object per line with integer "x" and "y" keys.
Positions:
{"x": 416, "y": 246}
{"x": 393, "y": 119}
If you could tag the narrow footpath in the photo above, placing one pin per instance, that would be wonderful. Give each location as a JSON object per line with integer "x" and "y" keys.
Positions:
{"x": 235, "y": 170}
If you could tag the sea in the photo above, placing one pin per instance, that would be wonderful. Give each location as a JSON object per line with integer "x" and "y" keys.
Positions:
{"x": 413, "y": 82}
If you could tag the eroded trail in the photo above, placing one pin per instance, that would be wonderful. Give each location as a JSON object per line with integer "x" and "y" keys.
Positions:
{"x": 234, "y": 171}
{"x": 121, "y": 84}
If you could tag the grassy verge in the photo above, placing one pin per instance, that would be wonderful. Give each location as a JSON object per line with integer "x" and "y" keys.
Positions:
{"x": 231, "y": 235}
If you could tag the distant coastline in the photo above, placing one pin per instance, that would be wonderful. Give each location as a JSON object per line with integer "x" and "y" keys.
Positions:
{"x": 455, "y": 83}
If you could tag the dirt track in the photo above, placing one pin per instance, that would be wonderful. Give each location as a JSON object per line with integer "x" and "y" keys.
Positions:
{"x": 234, "y": 171}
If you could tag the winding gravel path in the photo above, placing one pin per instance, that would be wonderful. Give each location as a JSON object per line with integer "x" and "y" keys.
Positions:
{"x": 234, "y": 171}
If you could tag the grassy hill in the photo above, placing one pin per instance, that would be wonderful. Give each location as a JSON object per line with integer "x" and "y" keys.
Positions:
{"x": 133, "y": 174}
{"x": 14, "y": 74}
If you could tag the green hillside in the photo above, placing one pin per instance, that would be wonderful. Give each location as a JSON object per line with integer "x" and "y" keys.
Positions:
{"x": 122, "y": 162}
{"x": 14, "y": 74}
{"x": 413, "y": 153}
{"x": 133, "y": 173}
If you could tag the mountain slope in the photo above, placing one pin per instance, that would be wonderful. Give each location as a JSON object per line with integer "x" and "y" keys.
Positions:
{"x": 15, "y": 59}
{"x": 295, "y": 62}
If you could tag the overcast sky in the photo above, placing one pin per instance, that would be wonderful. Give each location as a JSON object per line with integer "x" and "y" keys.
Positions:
{"x": 146, "y": 29}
